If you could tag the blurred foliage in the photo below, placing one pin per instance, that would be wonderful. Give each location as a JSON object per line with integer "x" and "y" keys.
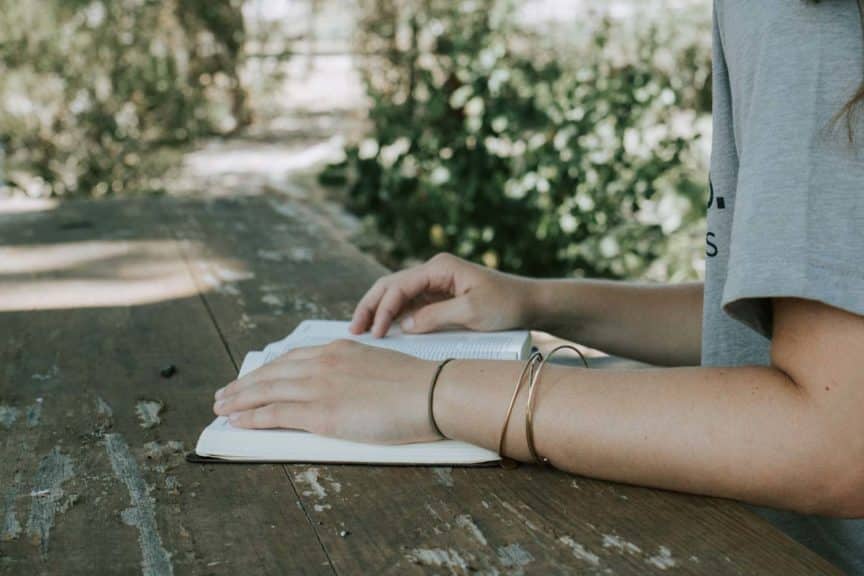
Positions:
{"x": 92, "y": 90}
{"x": 492, "y": 142}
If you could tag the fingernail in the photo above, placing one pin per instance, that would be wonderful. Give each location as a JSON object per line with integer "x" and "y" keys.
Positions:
{"x": 219, "y": 404}
{"x": 234, "y": 416}
{"x": 408, "y": 323}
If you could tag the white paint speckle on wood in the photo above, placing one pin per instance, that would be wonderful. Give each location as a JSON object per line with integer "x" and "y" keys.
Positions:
{"x": 11, "y": 528}
{"x": 246, "y": 323}
{"x": 148, "y": 413}
{"x": 155, "y": 560}
{"x": 309, "y": 477}
{"x": 514, "y": 556}
{"x": 34, "y": 413}
{"x": 579, "y": 551}
{"x": 155, "y": 450}
{"x": 467, "y": 522}
{"x": 8, "y": 415}
{"x": 619, "y": 544}
{"x": 301, "y": 254}
{"x": 103, "y": 409}
{"x": 522, "y": 518}
{"x": 662, "y": 559}
{"x": 444, "y": 476}
{"x": 50, "y": 374}
{"x": 46, "y": 495}
{"x": 440, "y": 558}
{"x": 272, "y": 300}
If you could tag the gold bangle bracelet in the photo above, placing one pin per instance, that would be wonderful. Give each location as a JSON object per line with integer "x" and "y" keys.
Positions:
{"x": 532, "y": 398}
{"x": 530, "y": 364}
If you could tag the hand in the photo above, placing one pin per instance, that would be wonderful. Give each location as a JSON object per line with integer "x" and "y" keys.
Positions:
{"x": 343, "y": 390}
{"x": 444, "y": 292}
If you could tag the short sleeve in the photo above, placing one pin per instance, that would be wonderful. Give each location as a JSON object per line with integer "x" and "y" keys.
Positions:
{"x": 798, "y": 223}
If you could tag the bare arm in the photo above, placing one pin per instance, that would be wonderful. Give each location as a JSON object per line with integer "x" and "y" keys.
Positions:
{"x": 789, "y": 435}
{"x": 655, "y": 324}
{"x": 658, "y": 324}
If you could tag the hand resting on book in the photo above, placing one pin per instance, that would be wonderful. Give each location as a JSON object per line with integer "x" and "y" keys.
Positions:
{"x": 343, "y": 390}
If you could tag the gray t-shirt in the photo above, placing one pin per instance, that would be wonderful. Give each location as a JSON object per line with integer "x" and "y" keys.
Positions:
{"x": 786, "y": 210}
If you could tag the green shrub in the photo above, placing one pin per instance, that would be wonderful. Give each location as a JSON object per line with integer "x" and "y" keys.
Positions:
{"x": 90, "y": 89}
{"x": 488, "y": 142}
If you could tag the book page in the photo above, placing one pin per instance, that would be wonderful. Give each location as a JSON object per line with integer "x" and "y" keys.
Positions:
{"x": 437, "y": 346}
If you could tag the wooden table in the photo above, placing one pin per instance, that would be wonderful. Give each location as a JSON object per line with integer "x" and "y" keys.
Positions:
{"x": 97, "y": 299}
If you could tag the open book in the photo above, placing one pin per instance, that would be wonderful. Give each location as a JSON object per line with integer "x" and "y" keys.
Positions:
{"x": 223, "y": 441}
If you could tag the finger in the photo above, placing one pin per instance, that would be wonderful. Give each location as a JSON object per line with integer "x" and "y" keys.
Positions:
{"x": 453, "y": 313}
{"x": 432, "y": 276}
{"x": 364, "y": 313}
{"x": 293, "y": 415}
{"x": 289, "y": 364}
{"x": 398, "y": 296}
{"x": 261, "y": 394}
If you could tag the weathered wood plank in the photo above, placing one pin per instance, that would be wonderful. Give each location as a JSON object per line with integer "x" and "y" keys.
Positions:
{"x": 95, "y": 299}
{"x": 417, "y": 520}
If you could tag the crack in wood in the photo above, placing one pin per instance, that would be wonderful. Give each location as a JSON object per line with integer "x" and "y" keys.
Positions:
{"x": 196, "y": 280}
{"x": 309, "y": 519}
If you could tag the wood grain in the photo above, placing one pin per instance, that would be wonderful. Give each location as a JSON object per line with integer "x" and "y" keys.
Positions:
{"x": 129, "y": 503}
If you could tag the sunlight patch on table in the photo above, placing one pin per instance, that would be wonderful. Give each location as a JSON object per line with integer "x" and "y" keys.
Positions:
{"x": 18, "y": 205}
{"x": 104, "y": 273}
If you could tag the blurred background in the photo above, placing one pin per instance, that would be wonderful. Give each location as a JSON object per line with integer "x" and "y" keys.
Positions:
{"x": 548, "y": 137}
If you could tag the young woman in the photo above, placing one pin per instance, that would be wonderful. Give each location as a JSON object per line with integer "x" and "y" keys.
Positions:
{"x": 771, "y": 411}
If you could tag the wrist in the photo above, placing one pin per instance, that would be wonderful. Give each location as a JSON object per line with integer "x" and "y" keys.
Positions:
{"x": 541, "y": 304}
{"x": 558, "y": 307}
{"x": 531, "y": 303}
{"x": 471, "y": 401}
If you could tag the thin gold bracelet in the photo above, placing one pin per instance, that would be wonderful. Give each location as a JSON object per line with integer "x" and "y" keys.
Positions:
{"x": 432, "y": 395}
{"x": 530, "y": 364}
{"x": 532, "y": 397}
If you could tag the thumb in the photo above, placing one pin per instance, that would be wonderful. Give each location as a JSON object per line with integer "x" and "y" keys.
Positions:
{"x": 452, "y": 313}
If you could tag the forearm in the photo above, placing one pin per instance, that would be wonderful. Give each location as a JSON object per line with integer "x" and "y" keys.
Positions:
{"x": 745, "y": 433}
{"x": 659, "y": 324}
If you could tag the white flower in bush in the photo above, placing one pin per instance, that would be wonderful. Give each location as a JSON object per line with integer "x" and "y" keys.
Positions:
{"x": 440, "y": 175}
{"x": 408, "y": 167}
{"x": 514, "y": 189}
{"x": 460, "y": 96}
{"x": 368, "y": 149}
{"x": 609, "y": 247}
{"x": 584, "y": 201}
{"x": 475, "y": 107}
{"x": 391, "y": 153}
{"x": 568, "y": 223}
{"x": 497, "y": 79}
